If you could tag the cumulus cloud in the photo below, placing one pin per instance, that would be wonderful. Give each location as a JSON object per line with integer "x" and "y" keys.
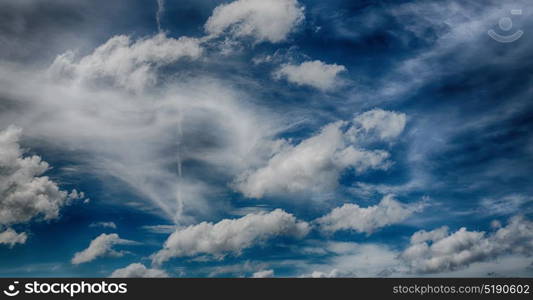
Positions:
{"x": 263, "y": 274}
{"x": 262, "y": 20}
{"x": 111, "y": 225}
{"x": 230, "y": 235}
{"x": 24, "y": 193}
{"x": 128, "y": 64}
{"x": 439, "y": 251}
{"x": 353, "y": 217}
{"x": 433, "y": 235}
{"x": 313, "y": 165}
{"x": 384, "y": 124}
{"x": 101, "y": 246}
{"x": 10, "y": 237}
{"x": 316, "y": 74}
{"x": 137, "y": 270}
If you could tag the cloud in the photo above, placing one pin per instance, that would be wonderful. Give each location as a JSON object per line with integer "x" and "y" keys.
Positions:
{"x": 506, "y": 205}
{"x": 311, "y": 73}
{"x": 438, "y": 251}
{"x": 24, "y": 193}
{"x": 127, "y": 64}
{"x": 384, "y": 124}
{"x": 368, "y": 219}
{"x": 185, "y": 122}
{"x": 230, "y": 235}
{"x": 137, "y": 270}
{"x": 101, "y": 246}
{"x": 160, "y": 229}
{"x": 433, "y": 235}
{"x": 159, "y": 13}
{"x": 186, "y": 119}
{"x": 315, "y": 164}
{"x": 104, "y": 225}
{"x": 11, "y": 238}
{"x": 461, "y": 253}
{"x": 263, "y": 274}
{"x": 335, "y": 273}
{"x": 239, "y": 269}
{"x": 262, "y": 20}
{"x": 511, "y": 265}
{"x": 346, "y": 259}
{"x": 460, "y": 23}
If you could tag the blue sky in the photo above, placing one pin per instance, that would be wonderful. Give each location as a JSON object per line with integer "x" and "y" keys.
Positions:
{"x": 255, "y": 138}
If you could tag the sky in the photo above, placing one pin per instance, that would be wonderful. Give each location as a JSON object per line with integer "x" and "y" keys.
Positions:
{"x": 266, "y": 138}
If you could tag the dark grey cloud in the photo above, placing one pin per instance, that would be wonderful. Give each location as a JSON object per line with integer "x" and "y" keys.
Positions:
{"x": 38, "y": 30}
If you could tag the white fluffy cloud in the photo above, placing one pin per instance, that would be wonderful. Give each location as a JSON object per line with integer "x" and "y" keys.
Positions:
{"x": 263, "y": 20}
{"x": 128, "y": 64}
{"x": 11, "y": 238}
{"x": 263, "y": 274}
{"x": 438, "y": 251}
{"x": 368, "y": 219}
{"x": 384, "y": 124}
{"x": 433, "y": 235}
{"x": 137, "y": 270}
{"x": 101, "y": 246}
{"x": 315, "y": 164}
{"x": 230, "y": 235}
{"x": 24, "y": 193}
{"x": 312, "y": 73}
